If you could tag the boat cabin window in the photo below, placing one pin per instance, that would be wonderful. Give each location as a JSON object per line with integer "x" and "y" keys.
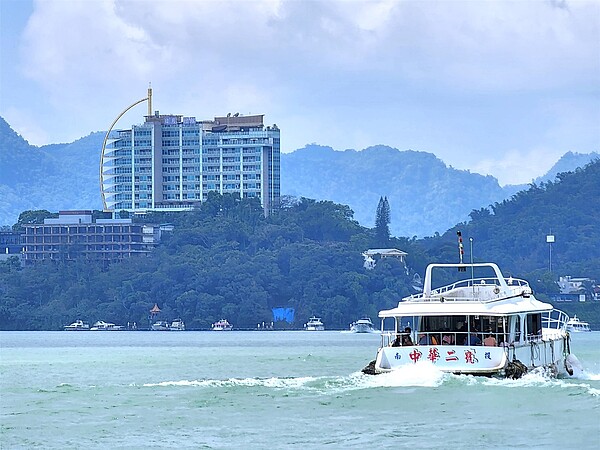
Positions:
{"x": 450, "y": 330}
{"x": 534, "y": 325}
{"x": 461, "y": 330}
{"x": 516, "y": 329}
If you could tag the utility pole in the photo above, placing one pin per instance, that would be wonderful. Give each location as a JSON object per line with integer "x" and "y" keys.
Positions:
{"x": 550, "y": 241}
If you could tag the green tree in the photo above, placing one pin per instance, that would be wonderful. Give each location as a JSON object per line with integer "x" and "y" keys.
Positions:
{"x": 32, "y": 217}
{"x": 382, "y": 222}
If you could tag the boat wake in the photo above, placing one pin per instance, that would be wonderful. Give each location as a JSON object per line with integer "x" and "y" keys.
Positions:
{"x": 423, "y": 374}
{"x": 544, "y": 378}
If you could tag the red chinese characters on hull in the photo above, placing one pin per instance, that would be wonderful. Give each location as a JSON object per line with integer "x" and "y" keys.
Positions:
{"x": 433, "y": 355}
{"x": 451, "y": 355}
{"x": 470, "y": 357}
{"x": 415, "y": 355}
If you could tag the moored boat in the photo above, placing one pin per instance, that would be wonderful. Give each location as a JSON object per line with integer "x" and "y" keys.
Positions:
{"x": 177, "y": 325}
{"x": 314, "y": 324}
{"x": 78, "y": 325}
{"x": 363, "y": 325}
{"x": 160, "y": 325}
{"x": 489, "y": 325}
{"x": 575, "y": 325}
{"x": 106, "y": 326}
{"x": 222, "y": 325}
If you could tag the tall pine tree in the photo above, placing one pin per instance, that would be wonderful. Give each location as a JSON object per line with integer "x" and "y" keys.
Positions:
{"x": 382, "y": 222}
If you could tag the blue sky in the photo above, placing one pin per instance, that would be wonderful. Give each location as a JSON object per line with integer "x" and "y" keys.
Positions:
{"x": 498, "y": 87}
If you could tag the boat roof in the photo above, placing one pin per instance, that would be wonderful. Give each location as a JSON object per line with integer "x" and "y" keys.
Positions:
{"x": 490, "y": 296}
{"x": 438, "y": 308}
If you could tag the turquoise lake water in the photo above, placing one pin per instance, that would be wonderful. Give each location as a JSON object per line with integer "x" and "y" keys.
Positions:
{"x": 272, "y": 390}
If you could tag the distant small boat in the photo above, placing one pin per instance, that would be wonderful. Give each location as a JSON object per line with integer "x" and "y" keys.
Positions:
{"x": 314, "y": 324}
{"x": 78, "y": 325}
{"x": 575, "y": 325}
{"x": 106, "y": 326}
{"x": 363, "y": 325}
{"x": 177, "y": 325}
{"x": 222, "y": 325}
{"x": 161, "y": 325}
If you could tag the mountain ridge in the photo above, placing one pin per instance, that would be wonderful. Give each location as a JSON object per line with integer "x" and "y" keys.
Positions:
{"x": 426, "y": 196}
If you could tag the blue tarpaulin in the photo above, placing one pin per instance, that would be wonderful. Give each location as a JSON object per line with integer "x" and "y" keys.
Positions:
{"x": 283, "y": 314}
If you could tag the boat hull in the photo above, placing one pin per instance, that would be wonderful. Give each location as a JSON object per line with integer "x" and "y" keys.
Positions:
{"x": 476, "y": 360}
{"x": 360, "y": 328}
{"x": 581, "y": 327}
{"x": 314, "y": 324}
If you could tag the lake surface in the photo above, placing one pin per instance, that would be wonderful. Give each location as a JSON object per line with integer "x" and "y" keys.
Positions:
{"x": 271, "y": 390}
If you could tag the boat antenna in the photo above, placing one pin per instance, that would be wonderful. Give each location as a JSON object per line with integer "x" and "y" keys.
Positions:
{"x": 461, "y": 252}
{"x": 472, "y": 269}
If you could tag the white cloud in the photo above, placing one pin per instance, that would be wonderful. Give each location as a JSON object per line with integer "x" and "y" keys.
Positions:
{"x": 518, "y": 166}
{"x": 83, "y": 42}
{"x": 410, "y": 74}
{"x": 486, "y": 44}
{"x": 26, "y": 125}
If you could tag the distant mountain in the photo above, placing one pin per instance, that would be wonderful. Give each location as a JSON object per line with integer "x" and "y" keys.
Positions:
{"x": 52, "y": 177}
{"x": 424, "y": 194}
{"x": 567, "y": 163}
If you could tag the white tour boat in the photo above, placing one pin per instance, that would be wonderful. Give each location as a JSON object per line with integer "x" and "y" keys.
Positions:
{"x": 177, "y": 325}
{"x": 160, "y": 325}
{"x": 222, "y": 325}
{"x": 575, "y": 325}
{"x": 314, "y": 324}
{"x": 363, "y": 325}
{"x": 106, "y": 326}
{"x": 78, "y": 325}
{"x": 483, "y": 326}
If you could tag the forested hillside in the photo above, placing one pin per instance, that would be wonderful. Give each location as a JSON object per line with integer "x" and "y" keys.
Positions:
{"x": 513, "y": 232}
{"x": 223, "y": 260}
{"x": 226, "y": 260}
{"x": 567, "y": 163}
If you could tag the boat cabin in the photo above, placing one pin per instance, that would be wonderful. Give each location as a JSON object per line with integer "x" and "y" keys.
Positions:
{"x": 464, "y": 329}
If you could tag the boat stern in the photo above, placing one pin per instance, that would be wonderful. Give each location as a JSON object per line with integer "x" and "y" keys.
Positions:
{"x": 453, "y": 359}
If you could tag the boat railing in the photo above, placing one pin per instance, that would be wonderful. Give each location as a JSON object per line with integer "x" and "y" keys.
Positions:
{"x": 555, "y": 320}
{"x": 463, "y": 338}
{"x": 533, "y": 337}
{"x": 491, "y": 286}
{"x": 387, "y": 337}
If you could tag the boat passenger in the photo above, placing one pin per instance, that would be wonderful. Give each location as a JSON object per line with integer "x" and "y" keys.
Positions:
{"x": 427, "y": 339}
{"x": 461, "y": 336}
{"x": 447, "y": 339}
{"x": 490, "y": 340}
{"x": 406, "y": 340}
{"x": 474, "y": 339}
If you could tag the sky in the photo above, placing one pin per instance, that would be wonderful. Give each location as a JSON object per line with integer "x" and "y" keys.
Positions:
{"x": 503, "y": 88}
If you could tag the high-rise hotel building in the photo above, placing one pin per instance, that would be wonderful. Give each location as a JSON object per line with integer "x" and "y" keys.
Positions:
{"x": 171, "y": 162}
